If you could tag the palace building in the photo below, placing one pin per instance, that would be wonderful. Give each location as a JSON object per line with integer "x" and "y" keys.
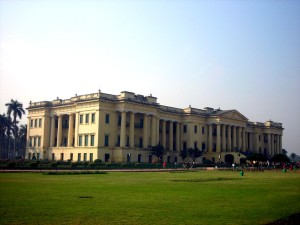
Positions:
{"x": 124, "y": 127}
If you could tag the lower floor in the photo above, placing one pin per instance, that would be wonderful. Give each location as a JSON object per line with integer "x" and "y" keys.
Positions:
{"x": 125, "y": 155}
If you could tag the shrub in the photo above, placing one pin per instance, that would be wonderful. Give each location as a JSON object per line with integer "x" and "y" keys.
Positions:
{"x": 11, "y": 165}
{"x": 33, "y": 164}
{"x": 53, "y": 165}
{"x": 98, "y": 161}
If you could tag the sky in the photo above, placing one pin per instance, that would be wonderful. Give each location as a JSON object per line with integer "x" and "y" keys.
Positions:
{"x": 227, "y": 54}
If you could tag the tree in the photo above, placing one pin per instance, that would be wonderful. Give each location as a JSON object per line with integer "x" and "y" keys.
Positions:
{"x": 194, "y": 153}
{"x": 284, "y": 151}
{"x": 280, "y": 158}
{"x": 256, "y": 157}
{"x": 184, "y": 154}
{"x": 293, "y": 156}
{"x": 158, "y": 151}
{"x": 5, "y": 134}
{"x": 16, "y": 109}
{"x": 23, "y": 136}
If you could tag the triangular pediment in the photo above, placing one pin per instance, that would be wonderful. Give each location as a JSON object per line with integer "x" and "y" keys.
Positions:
{"x": 234, "y": 114}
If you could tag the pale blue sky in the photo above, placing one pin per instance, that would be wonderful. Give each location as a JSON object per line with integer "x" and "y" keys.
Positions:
{"x": 242, "y": 55}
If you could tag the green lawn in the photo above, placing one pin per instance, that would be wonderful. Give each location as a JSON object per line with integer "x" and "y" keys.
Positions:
{"x": 204, "y": 197}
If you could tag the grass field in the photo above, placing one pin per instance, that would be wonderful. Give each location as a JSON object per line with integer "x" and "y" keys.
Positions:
{"x": 204, "y": 197}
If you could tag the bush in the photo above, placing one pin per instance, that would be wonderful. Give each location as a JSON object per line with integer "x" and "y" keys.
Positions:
{"x": 98, "y": 161}
{"x": 11, "y": 165}
{"x": 33, "y": 164}
{"x": 53, "y": 165}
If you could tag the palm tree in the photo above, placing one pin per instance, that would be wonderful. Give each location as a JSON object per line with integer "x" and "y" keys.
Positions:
{"x": 5, "y": 132}
{"x": 23, "y": 136}
{"x": 15, "y": 108}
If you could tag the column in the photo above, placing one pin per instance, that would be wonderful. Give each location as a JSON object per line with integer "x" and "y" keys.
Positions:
{"x": 244, "y": 139}
{"x": 250, "y": 141}
{"x": 277, "y": 144}
{"x": 123, "y": 130}
{"x": 223, "y": 149}
{"x": 145, "y": 131}
{"x": 153, "y": 131}
{"x": 269, "y": 144}
{"x": 218, "y": 138}
{"x": 190, "y": 135}
{"x": 178, "y": 137}
{"x": 234, "y": 137}
{"x": 171, "y": 136}
{"x": 280, "y": 144}
{"x": 239, "y": 138}
{"x": 131, "y": 130}
{"x": 52, "y": 134}
{"x": 229, "y": 138}
{"x": 164, "y": 141}
{"x": 256, "y": 141}
{"x": 210, "y": 138}
{"x": 157, "y": 131}
{"x": 59, "y": 131}
{"x": 76, "y": 130}
{"x": 71, "y": 130}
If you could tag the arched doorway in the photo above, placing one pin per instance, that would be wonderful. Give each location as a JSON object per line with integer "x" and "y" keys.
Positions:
{"x": 229, "y": 159}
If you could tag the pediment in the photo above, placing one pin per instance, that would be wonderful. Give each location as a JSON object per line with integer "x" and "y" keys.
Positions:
{"x": 233, "y": 114}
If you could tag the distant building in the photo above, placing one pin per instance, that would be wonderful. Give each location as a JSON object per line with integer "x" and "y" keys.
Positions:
{"x": 122, "y": 128}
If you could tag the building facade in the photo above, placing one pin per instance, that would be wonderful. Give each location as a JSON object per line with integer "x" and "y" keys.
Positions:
{"x": 123, "y": 128}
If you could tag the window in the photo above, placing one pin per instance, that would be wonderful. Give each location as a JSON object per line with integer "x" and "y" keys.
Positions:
{"x": 203, "y": 130}
{"x": 35, "y": 122}
{"x": 81, "y": 119}
{"x": 30, "y": 142}
{"x": 62, "y": 156}
{"x": 106, "y": 157}
{"x": 106, "y": 140}
{"x": 79, "y": 157}
{"x": 119, "y": 120}
{"x": 92, "y": 139}
{"x": 71, "y": 156}
{"x": 259, "y": 137}
{"x": 184, "y": 128}
{"x": 87, "y": 117}
{"x": 80, "y": 140}
{"x": 86, "y": 140}
{"x": 39, "y": 141}
{"x": 195, "y": 145}
{"x": 91, "y": 157}
{"x": 31, "y": 123}
{"x": 139, "y": 158}
{"x": 40, "y": 122}
{"x": 195, "y": 129}
{"x": 53, "y": 156}
{"x": 141, "y": 123}
{"x": 84, "y": 157}
{"x": 93, "y": 117}
{"x": 65, "y": 142}
{"x": 34, "y": 141}
{"x": 107, "y": 118}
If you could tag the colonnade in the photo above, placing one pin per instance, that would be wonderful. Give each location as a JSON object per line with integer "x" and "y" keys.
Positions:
{"x": 58, "y": 135}
{"x": 151, "y": 131}
{"x": 228, "y": 138}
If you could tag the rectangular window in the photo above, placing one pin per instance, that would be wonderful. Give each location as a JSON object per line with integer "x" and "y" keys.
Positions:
{"x": 35, "y": 122}
{"x": 119, "y": 120}
{"x": 106, "y": 157}
{"x": 87, "y": 117}
{"x": 81, "y": 119}
{"x": 86, "y": 140}
{"x": 203, "y": 130}
{"x": 79, "y": 157}
{"x": 53, "y": 156}
{"x": 195, "y": 129}
{"x": 141, "y": 123}
{"x": 107, "y": 118}
{"x": 80, "y": 140}
{"x": 139, "y": 158}
{"x": 93, "y": 117}
{"x": 40, "y": 122}
{"x": 34, "y": 142}
{"x": 84, "y": 157}
{"x": 62, "y": 156}
{"x": 71, "y": 156}
{"x": 30, "y": 142}
{"x": 184, "y": 128}
{"x": 65, "y": 142}
{"x": 91, "y": 157}
{"x": 92, "y": 139}
{"x": 31, "y": 123}
{"x": 106, "y": 140}
{"x": 39, "y": 141}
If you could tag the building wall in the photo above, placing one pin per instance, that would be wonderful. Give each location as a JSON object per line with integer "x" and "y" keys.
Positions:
{"x": 123, "y": 128}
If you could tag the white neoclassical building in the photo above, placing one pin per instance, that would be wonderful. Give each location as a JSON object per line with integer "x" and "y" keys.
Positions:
{"x": 123, "y": 128}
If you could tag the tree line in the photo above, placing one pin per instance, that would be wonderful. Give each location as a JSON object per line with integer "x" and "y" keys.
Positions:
{"x": 12, "y": 134}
